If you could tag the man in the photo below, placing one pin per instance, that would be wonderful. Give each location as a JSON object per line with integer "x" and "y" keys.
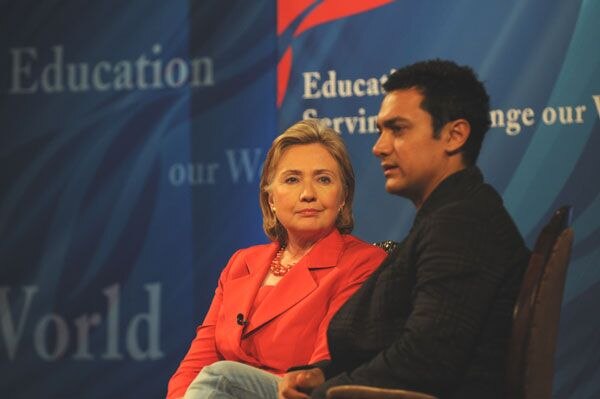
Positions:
{"x": 436, "y": 316}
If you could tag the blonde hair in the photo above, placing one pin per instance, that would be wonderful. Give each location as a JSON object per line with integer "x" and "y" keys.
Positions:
{"x": 309, "y": 131}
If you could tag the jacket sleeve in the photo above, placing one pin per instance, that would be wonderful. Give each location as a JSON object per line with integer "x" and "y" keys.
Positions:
{"x": 358, "y": 267}
{"x": 456, "y": 280}
{"x": 202, "y": 351}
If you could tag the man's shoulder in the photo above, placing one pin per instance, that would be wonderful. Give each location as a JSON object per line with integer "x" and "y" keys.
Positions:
{"x": 478, "y": 204}
{"x": 479, "y": 215}
{"x": 479, "y": 210}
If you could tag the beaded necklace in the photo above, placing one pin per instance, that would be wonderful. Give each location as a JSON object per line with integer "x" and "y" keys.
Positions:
{"x": 276, "y": 267}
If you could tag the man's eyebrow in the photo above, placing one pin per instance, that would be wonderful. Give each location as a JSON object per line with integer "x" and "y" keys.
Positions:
{"x": 391, "y": 121}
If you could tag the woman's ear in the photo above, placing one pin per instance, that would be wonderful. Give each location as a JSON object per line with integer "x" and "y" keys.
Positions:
{"x": 457, "y": 134}
{"x": 271, "y": 203}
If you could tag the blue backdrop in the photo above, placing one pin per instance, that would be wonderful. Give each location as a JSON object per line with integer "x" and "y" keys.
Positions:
{"x": 132, "y": 137}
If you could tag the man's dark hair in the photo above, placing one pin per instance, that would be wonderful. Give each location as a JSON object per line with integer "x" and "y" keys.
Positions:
{"x": 450, "y": 92}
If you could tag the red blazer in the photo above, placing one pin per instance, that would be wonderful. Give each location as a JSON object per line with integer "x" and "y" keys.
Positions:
{"x": 289, "y": 327}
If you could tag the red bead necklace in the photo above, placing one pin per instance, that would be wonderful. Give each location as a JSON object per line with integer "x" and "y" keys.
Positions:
{"x": 277, "y": 269}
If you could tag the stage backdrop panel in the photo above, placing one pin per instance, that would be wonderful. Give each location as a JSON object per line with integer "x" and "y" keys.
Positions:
{"x": 132, "y": 138}
{"x": 541, "y": 64}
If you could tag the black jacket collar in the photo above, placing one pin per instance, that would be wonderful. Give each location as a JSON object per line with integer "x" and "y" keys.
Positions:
{"x": 453, "y": 188}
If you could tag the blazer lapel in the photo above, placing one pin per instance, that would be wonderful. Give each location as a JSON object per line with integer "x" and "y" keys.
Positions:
{"x": 239, "y": 292}
{"x": 299, "y": 282}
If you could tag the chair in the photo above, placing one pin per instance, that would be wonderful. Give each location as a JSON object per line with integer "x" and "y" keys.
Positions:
{"x": 530, "y": 365}
{"x": 537, "y": 312}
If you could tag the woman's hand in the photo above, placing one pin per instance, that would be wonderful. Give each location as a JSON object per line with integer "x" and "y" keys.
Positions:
{"x": 299, "y": 384}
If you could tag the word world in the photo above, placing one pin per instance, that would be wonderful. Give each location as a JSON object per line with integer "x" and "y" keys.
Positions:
{"x": 52, "y": 334}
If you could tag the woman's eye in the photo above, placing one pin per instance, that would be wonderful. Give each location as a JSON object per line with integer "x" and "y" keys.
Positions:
{"x": 291, "y": 179}
{"x": 324, "y": 179}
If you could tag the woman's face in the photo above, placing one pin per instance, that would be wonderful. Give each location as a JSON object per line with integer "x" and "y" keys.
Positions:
{"x": 307, "y": 191}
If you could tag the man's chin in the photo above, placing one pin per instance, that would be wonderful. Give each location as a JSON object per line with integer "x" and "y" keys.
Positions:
{"x": 393, "y": 188}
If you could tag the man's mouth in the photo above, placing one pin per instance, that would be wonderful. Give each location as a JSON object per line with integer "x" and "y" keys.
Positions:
{"x": 388, "y": 168}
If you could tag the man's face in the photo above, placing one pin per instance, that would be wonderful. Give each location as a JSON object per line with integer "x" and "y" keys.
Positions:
{"x": 413, "y": 161}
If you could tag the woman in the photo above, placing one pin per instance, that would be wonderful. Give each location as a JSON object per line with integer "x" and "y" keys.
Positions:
{"x": 273, "y": 302}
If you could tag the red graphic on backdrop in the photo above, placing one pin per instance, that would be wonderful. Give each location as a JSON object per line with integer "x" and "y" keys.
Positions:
{"x": 325, "y": 11}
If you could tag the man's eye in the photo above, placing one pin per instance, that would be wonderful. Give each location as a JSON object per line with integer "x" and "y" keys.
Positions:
{"x": 398, "y": 129}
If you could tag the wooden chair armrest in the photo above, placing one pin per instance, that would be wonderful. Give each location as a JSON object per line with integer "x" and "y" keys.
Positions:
{"x": 366, "y": 392}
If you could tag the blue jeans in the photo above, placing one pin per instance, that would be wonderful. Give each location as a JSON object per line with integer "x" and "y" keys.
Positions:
{"x": 232, "y": 380}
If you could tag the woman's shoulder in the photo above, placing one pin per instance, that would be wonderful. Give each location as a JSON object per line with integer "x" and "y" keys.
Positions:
{"x": 354, "y": 245}
{"x": 254, "y": 249}
{"x": 359, "y": 258}
{"x": 243, "y": 256}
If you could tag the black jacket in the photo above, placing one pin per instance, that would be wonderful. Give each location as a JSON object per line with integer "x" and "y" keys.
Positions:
{"x": 436, "y": 315}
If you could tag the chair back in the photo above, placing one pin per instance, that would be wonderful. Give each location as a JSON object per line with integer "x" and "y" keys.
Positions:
{"x": 537, "y": 311}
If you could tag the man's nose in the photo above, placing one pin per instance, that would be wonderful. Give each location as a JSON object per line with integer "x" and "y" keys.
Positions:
{"x": 381, "y": 147}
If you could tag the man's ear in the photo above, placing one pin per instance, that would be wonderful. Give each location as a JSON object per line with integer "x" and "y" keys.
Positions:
{"x": 457, "y": 133}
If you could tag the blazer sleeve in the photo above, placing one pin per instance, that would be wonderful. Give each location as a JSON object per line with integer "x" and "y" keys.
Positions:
{"x": 453, "y": 291}
{"x": 202, "y": 351}
{"x": 358, "y": 266}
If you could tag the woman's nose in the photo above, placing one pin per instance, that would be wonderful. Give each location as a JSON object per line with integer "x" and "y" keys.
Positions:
{"x": 308, "y": 192}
